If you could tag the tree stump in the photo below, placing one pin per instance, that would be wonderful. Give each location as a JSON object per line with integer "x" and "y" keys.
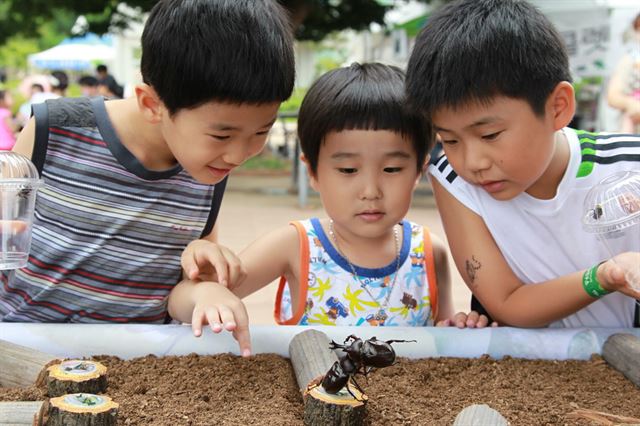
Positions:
{"x": 311, "y": 358}
{"x": 622, "y": 352}
{"x": 20, "y": 365}
{"x": 76, "y": 376}
{"x": 78, "y": 409}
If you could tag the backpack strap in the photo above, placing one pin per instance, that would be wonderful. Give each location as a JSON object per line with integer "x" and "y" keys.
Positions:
{"x": 216, "y": 201}
{"x": 41, "y": 114}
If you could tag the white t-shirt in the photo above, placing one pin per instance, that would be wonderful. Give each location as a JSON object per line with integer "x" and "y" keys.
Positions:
{"x": 544, "y": 239}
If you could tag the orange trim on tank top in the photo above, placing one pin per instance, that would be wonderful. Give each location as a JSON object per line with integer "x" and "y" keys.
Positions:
{"x": 430, "y": 269}
{"x": 303, "y": 281}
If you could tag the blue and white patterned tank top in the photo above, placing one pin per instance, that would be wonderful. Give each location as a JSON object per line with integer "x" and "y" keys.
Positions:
{"x": 333, "y": 296}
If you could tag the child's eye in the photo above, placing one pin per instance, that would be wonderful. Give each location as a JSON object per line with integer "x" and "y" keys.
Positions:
{"x": 220, "y": 137}
{"x": 392, "y": 169}
{"x": 263, "y": 132}
{"x": 491, "y": 136}
{"x": 448, "y": 141}
{"x": 347, "y": 170}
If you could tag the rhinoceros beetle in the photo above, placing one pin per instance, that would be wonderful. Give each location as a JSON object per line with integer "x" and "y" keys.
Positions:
{"x": 358, "y": 357}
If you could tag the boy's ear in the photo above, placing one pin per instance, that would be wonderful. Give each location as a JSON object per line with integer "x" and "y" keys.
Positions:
{"x": 312, "y": 177}
{"x": 563, "y": 104}
{"x": 149, "y": 103}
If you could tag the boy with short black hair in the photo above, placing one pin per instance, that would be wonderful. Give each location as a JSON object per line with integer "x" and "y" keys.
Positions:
{"x": 493, "y": 76}
{"x": 129, "y": 183}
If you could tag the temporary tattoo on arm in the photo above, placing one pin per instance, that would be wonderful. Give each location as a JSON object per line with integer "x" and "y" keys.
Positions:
{"x": 472, "y": 265}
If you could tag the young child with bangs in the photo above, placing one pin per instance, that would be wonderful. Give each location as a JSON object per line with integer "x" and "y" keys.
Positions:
{"x": 364, "y": 264}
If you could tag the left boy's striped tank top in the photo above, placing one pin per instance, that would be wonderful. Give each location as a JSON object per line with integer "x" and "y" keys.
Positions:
{"x": 108, "y": 233}
{"x": 331, "y": 295}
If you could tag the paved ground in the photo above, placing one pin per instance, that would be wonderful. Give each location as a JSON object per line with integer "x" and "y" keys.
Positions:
{"x": 254, "y": 205}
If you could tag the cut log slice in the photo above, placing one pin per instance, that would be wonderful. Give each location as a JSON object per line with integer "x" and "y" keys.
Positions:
{"x": 76, "y": 376}
{"x": 78, "y": 409}
{"x": 322, "y": 408}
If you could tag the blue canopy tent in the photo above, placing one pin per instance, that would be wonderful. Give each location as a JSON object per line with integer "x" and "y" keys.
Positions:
{"x": 76, "y": 53}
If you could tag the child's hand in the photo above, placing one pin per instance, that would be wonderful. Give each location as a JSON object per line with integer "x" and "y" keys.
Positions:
{"x": 222, "y": 310}
{"x": 622, "y": 273}
{"x": 462, "y": 320}
{"x": 208, "y": 261}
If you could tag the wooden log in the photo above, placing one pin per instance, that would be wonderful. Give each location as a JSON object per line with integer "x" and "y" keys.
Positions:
{"x": 19, "y": 413}
{"x": 78, "y": 409}
{"x": 20, "y": 365}
{"x": 622, "y": 352}
{"x": 311, "y": 358}
{"x": 479, "y": 415}
{"x": 76, "y": 376}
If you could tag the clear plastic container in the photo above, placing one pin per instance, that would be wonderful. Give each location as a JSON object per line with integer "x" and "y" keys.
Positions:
{"x": 19, "y": 183}
{"x": 612, "y": 211}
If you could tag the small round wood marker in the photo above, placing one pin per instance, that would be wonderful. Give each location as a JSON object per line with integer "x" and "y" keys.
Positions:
{"x": 78, "y": 409}
{"x": 76, "y": 376}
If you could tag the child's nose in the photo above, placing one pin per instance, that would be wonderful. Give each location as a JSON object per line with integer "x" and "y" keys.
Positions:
{"x": 475, "y": 159}
{"x": 237, "y": 153}
{"x": 370, "y": 189}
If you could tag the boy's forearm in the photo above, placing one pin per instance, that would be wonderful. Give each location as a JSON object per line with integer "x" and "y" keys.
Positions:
{"x": 538, "y": 305}
{"x": 181, "y": 301}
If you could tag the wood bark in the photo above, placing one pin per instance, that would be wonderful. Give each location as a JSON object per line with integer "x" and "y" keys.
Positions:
{"x": 65, "y": 378}
{"x": 321, "y": 408}
{"x": 20, "y": 365}
{"x": 622, "y": 352}
{"x": 311, "y": 359}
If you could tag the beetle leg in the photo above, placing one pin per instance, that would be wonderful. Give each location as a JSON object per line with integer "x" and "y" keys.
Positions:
{"x": 353, "y": 379}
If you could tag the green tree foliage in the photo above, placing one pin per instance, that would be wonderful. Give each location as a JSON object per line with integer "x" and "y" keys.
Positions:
{"x": 312, "y": 19}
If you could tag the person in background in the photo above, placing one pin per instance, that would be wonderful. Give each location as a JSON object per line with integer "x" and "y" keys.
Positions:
{"x": 38, "y": 95}
{"x": 7, "y": 124}
{"x": 88, "y": 85}
{"x": 364, "y": 264}
{"x": 512, "y": 184}
{"x": 59, "y": 83}
{"x": 109, "y": 87}
{"x": 624, "y": 87}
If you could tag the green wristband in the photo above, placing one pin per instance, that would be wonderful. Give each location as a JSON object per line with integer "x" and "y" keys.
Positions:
{"x": 591, "y": 285}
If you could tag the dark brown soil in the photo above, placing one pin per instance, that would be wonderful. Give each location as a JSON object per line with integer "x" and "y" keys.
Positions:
{"x": 261, "y": 390}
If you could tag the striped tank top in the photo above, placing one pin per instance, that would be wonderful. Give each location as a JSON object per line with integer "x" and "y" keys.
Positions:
{"x": 332, "y": 295}
{"x": 108, "y": 233}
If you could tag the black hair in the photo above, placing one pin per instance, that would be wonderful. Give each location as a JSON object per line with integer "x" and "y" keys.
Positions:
{"x": 360, "y": 97}
{"x": 88, "y": 80}
{"x": 236, "y": 51}
{"x": 475, "y": 50}
{"x": 101, "y": 68}
{"x": 60, "y": 80}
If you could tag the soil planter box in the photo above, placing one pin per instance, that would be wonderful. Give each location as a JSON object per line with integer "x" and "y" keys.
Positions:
{"x": 161, "y": 375}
